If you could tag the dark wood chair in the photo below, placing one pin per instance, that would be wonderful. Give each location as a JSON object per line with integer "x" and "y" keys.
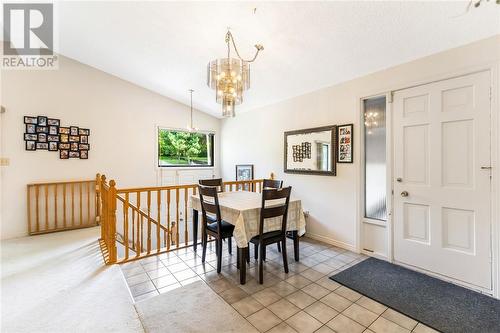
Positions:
{"x": 277, "y": 236}
{"x": 271, "y": 183}
{"x": 217, "y": 182}
{"x": 268, "y": 184}
{"x": 213, "y": 224}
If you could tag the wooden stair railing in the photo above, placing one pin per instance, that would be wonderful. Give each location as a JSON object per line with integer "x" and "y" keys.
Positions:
{"x": 152, "y": 219}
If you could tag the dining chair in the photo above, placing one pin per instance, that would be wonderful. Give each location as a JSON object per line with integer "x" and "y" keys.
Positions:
{"x": 268, "y": 184}
{"x": 217, "y": 182}
{"x": 264, "y": 239}
{"x": 212, "y": 223}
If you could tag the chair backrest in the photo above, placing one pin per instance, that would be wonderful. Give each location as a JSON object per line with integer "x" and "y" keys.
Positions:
{"x": 209, "y": 201}
{"x": 217, "y": 182}
{"x": 281, "y": 209}
{"x": 271, "y": 183}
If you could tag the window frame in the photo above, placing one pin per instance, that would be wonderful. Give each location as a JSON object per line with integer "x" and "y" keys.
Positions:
{"x": 212, "y": 152}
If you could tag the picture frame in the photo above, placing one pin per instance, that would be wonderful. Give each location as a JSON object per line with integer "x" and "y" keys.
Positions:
{"x": 244, "y": 172}
{"x": 64, "y": 138}
{"x": 30, "y": 145}
{"x": 42, "y": 137}
{"x": 84, "y": 146}
{"x": 74, "y": 146}
{"x": 53, "y": 122}
{"x": 74, "y": 154}
{"x": 84, "y": 139}
{"x": 74, "y": 138}
{"x": 345, "y": 136}
{"x": 30, "y": 120}
{"x": 42, "y": 146}
{"x": 53, "y": 146}
{"x": 64, "y": 130}
{"x": 73, "y": 130}
{"x": 84, "y": 131}
{"x": 53, "y": 130}
{"x": 30, "y": 128}
{"x": 53, "y": 138}
{"x": 42, "y": 129}
{"x": 64, "y": 146}
{"x": 30, "y": 137}
{"x": 42, "y": 121}
{"x": 63, "y": 154}
{"x": 84, "y": 154}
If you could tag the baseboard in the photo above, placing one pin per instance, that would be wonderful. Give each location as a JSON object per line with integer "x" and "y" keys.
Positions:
{"x": 333, "y": 242}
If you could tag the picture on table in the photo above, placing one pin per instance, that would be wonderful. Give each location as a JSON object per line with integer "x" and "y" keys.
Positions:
{"x": 244, "y": 172}
{"x": 344, "y": 140}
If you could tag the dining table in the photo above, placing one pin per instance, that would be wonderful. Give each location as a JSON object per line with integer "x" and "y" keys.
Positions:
{"x": 242, "y": 209}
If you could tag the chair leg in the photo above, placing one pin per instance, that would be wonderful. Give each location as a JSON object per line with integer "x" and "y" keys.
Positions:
{"x": 279, "y": 247}
{"x": 237, "y": 259}
{"x": 256, "y": 251}
{"x": 219, "y": 256}
{"x": 285, "y": 259}
{"x": 264, "y": 253}
{"x": 204, "y": 242}
{"x": 229, "y": 245}
{"x": 261, "y": 264}
{"x": 247, "y": 256}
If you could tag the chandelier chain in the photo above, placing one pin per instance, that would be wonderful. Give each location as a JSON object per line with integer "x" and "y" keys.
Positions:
{"x": 230, "y": 38}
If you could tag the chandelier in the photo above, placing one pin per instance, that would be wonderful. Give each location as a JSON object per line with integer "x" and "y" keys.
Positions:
{"x": 190, "y": 127}
{"x": 371, "y": 121}
{"x": 230, "y": 77}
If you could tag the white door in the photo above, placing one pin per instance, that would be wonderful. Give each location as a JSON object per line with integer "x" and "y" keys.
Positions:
{"x": 442, "y": 178}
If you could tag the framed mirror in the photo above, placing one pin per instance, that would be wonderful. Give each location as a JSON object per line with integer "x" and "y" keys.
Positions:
{"x": 311, "y": 151}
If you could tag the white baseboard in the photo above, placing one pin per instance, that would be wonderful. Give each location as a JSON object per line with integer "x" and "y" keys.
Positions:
{"x": 333, "y": 242}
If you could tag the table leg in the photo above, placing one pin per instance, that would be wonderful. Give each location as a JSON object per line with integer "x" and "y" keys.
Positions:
{"x": 195, "y": 229}
{"x": 295, "y": 235}
{"x": 243, "y": 264}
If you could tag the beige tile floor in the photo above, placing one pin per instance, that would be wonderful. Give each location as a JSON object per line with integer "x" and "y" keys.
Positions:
{"x": 304, "y": 300}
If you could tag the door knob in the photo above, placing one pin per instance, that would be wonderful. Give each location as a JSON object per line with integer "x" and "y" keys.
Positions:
{"x": 404, "y": 194}
{"x": 399, "y": 180}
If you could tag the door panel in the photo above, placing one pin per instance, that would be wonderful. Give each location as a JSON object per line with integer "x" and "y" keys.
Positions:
{"x": 442, "y": 201}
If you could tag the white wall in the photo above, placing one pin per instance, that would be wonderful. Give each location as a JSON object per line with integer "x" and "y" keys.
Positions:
{"x": 256, "y": 137}
{"x": 121, "y": 117}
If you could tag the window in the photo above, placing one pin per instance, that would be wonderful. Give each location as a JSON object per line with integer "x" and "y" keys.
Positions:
{"x": 375, "y": 159}
{"x": 177, "y": 148}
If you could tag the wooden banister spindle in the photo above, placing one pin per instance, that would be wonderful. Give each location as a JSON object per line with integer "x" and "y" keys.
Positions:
{"x": 139, "y": 226}
{"x": 112, "y": 221}
{"x": 158, "y": 221}
{"x": 169, "y": 231}
{"x": 55, "y": 206}
{"x": 125, "y": 225}
{"x": 149, "y": 222}
{"x": 88, "y": 203}
{"x": 81, "y": 203}
{"x": 37, "y": 207}
{"x": 177, "y": 217}
{"x": 186, "y": 232}
{"x": 72, "y": 204}
{"x": 46, "y": 207}
{"x": 28, "y": 200}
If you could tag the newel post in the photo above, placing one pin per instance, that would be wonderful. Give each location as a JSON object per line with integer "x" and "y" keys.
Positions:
{"x": 112, "y": 221}
{"x": 103, "y": 217}
{"x": 98, "y": 199}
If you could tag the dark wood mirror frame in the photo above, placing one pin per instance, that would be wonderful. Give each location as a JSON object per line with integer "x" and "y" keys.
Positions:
{"x": 333, "y": 154}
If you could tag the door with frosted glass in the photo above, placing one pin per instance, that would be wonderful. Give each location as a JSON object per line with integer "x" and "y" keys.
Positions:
{"x": 442, "y": 178}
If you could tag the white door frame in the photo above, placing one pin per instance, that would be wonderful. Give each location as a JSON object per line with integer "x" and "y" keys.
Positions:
{"x": 493, "y": 68}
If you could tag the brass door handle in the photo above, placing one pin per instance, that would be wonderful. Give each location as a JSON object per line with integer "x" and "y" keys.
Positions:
{"x": 405, "y": 194}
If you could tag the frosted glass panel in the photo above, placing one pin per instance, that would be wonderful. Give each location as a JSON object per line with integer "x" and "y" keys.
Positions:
{"x": 375, "y": 159}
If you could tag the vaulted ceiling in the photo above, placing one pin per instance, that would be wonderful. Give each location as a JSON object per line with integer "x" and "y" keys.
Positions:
{"x": 165, "y": 46}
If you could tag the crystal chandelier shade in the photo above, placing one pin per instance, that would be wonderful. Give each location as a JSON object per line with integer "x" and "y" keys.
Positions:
{"x": 230, "y": 77}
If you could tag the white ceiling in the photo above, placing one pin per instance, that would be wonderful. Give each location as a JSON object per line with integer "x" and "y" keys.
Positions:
{"x": 165, "y": 46}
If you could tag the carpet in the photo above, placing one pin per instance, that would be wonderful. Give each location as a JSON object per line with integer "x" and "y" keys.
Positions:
{"x": 192, "y": 308}
{"x": 441, "y": 305}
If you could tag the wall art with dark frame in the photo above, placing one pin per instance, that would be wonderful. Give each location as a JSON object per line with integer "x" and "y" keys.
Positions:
{"x": 44, "y": 133}
{"x": 244, "y": 172}
{"x": 345, "y": 143}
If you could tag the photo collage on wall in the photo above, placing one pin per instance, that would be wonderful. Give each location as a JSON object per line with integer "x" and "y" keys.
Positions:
{"x": 43, "y": 133}
{"x": 301, "y": 152}
{"x": 344, "y": 143}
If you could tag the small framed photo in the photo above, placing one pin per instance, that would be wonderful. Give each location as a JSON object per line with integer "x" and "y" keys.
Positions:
{"x": 64, "y": 138}
{"x": 345, "y": 144}
{"x": 30, "y": 145}
{"x": 42, "y": 121}
{"x": 244, "y": 172}
{"x": 74, "y": 154}
{"x": 53, "y": 122}
{"x": 53, "y": 146}
{"x": 63, "y": 154}
{"x": 84, "y": 131}
{"x": 74, "y": 138}
{"x": 65, "y": 146}
{"x": 53, "y": 130}
{"x": 42, "y": 146}
{"x": 30, "y": 128}
{"x": 30, "y": 137}
{"x": 73, "y": 146}
{"x": 84, "y": 146}
{"x": 84, "y": 154}
{"x": 84, "y": 139}
{"x": 30, "y": 120}
{"x": 53, "y": 138}
{"x": 64, "y": 130}
{"x": 73, "y": 130}
{"x": 42, "y": 137}
{"x": 42, "y": 129}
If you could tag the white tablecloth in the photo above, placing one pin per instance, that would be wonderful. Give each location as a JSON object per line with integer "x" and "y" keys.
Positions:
{"x": 242, "y": 209}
